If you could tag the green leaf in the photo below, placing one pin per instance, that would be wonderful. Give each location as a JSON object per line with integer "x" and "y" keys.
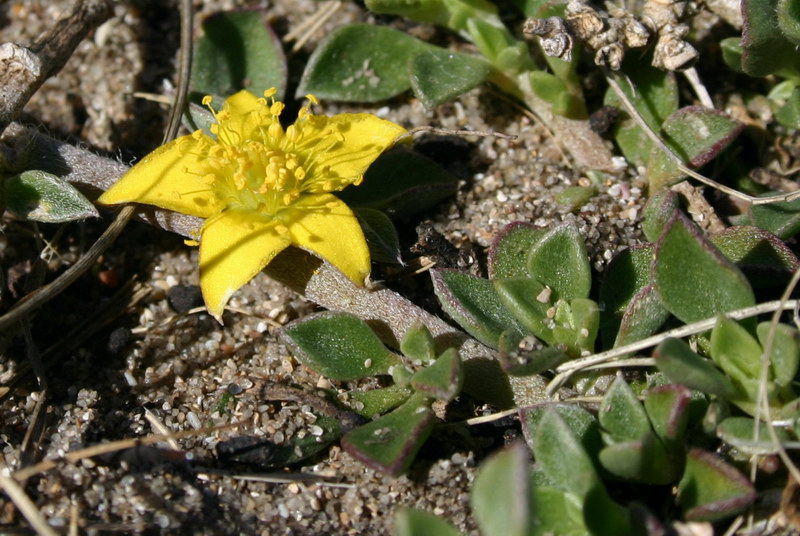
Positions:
{"x": 401, "y": 183}
{"x": 658, "y": 212}
{"x": 788, "y": 13}
{"x": 501, "y": 495}
{"x": 583, "y": 424}
{"x": 781, "y": 219}
{"x": 237, "y": 51}
{"x": 431, "y": 11}
{"x": 655, "y": 97}
{"x": 473, "y": 303}
{"x": 711, "y": 489}
{"x": 40, "y": 196}
{"x": 559, "y": 261}
{"x": 384, "y": 245}
{"x": 416, "y": 522}
{"x": 694, "y": 279}
{"x": 735, "y": 350}
{"x": 643, "y": 460}
{"x": 681, "y": 365}
{"x": 338, "y": 345}
{"x": 788, "y": 115}
{"x": 621, "y": 414}
{"x": 785, "y": 356}
{"x": 731, "y": 48}
{"x": 528, "y": 300}
{"x": 740, "y": 433}
{"x": 764, "y": 258}
{"x": 552, "y": 89}
{"x": 442, "y": 379}
{"x": 695, "y": 134}
{"x": 517, "y": 362}
{"x": 604, "y": 517}
{"x": 438, "y": 75}
{"x": 561, "y": 456}
{"x": 360, "y": 63}
{"x": 378, "y": 401}
{"x": 556, "y": 513}
{"x": 625, "y": 294}
{"x": 417, "y": 343}
{"x": 667, "y": 407}
{"x": 390, "y": 443}
{"x": 508, "y": 254}
{"x": 643, "y": 317}
{"x": 197, "y": 117}
{"x": 764, "y": 49}
{"x": 584, "y": 322}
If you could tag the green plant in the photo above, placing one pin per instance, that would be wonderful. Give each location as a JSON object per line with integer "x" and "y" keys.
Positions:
{"x": 577, "y": 455}
{"x": 343, "y": 347}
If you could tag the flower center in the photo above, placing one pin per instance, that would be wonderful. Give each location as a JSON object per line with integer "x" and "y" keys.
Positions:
{"x": 257, "y": 166}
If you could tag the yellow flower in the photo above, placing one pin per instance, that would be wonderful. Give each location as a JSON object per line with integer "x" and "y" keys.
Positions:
{"x": 261, "y": 188}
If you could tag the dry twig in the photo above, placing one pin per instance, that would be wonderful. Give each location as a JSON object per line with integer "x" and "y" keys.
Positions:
{"x": 23, "y": 70}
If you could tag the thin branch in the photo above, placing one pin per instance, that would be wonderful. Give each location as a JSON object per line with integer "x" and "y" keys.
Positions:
{"x": 566, "y": 370}
{"x": 698, "y": 87}
{"x": 611, "y": 78}
{"x": 23, "y": 70}
{"x": 184, "y": 71}
{"x": 24, "y": 504}
{"x": 460, "y": 132}
{"x": 114, "y": 446}
{"x": 763, "y": 401}
{"x": 41, "y": 296}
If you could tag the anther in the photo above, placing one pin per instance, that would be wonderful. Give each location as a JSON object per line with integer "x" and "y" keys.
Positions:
{"x": 276, "y": 108}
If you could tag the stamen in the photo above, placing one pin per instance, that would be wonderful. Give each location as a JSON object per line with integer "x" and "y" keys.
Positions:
{"x": 276, "y": 108}
{"x": 270, "y": 92}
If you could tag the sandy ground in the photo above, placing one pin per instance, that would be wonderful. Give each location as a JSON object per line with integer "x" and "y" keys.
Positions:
{"x": 151, "y": 367}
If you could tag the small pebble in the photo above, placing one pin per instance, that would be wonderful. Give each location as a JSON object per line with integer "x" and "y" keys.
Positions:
{"x": 118, "y": 339}
{"x": 183, "y": 298}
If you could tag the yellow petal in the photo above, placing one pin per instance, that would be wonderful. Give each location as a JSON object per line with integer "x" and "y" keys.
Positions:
{"x": 247, "y": 114}
{"x": 325, "y": 226}
{"x": 234, "y": 247}
{"x": 363, "y": 137}
{"x": 170, "y": 178}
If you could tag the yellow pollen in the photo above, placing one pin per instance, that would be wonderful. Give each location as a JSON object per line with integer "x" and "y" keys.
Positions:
{"x": 207, "y": 100}
{"x": 275, "y": 130}
{"x": 312, "y": 99}
{"x": 214, "y": 129}
{"x": 281, "y": 229}
{"x": 271, "y": 92}
{"x": 299, "y": 174}
{"x": 276, "y": 108}
{"x": 331, "y": 204}
{"x": 239, "y": 180}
